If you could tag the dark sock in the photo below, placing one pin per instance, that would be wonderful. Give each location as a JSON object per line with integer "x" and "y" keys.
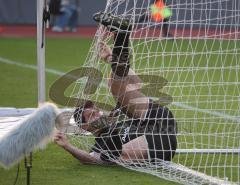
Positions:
{"x": 120, "y": 58}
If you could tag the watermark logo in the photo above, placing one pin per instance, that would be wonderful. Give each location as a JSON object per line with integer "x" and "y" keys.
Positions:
{"x": 151, "y": 87}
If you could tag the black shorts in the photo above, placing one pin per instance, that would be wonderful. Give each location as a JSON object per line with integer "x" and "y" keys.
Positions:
{"x": 161, "y": 147}
{"x": 158, "y": 127}
{"x": 161, "y": 137}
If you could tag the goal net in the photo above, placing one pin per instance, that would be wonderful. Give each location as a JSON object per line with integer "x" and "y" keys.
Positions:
{"x": 190, "y": 63}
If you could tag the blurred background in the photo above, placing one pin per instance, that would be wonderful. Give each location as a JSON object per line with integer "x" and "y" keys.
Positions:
{"x": 24, "y": 11}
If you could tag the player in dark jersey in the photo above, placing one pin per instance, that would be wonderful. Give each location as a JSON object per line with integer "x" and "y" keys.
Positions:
{"x": 148, "y": 130}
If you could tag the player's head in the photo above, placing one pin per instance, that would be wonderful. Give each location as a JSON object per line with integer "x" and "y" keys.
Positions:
{"x": 85, "y": 114}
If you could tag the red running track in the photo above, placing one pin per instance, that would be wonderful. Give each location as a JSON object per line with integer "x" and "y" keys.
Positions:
{"x": 31, "y": 31}
{"x": 89, "y": 32}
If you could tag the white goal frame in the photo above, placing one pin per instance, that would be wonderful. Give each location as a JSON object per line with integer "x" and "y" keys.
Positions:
{"x": 41, "y": 80}
{"x": 41, "y": 99}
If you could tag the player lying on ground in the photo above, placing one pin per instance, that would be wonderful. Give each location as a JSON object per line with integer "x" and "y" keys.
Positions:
{"x": 150, "y": 132}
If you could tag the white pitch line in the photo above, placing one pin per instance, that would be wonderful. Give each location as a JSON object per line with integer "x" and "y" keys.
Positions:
{"x": 30, "y": 66}
{"x": 214, "y": 113}
{"x": 178, "y": 104}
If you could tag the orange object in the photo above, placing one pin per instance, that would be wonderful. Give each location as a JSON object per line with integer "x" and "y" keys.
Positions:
{"x": 159, "y": 11}
{"x": 160, "y": 4}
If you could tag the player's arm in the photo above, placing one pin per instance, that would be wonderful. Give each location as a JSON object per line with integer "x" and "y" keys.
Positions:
{"x": 84, "y": 157}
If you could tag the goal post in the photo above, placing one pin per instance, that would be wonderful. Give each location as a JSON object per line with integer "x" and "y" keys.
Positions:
{"x": 41, "y": 25}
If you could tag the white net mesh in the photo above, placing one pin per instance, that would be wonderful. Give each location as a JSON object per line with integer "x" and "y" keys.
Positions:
{"x": 195, "y": 56}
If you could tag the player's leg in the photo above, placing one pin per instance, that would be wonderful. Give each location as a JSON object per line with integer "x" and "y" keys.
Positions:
{"x": 128, "y": 97}
{"x": 136, "y": 149}
{"x": 152, "y": 147}
{"x": 105, "y": 53}
{"x": 122, "y": 86}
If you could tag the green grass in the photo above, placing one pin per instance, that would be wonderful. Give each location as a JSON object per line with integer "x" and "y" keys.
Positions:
{"x": 19, "y": 85}
{"x": 53, "y": 166}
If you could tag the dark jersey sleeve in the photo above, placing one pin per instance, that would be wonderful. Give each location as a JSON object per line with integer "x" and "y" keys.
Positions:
{"x": 108, "y": 144}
